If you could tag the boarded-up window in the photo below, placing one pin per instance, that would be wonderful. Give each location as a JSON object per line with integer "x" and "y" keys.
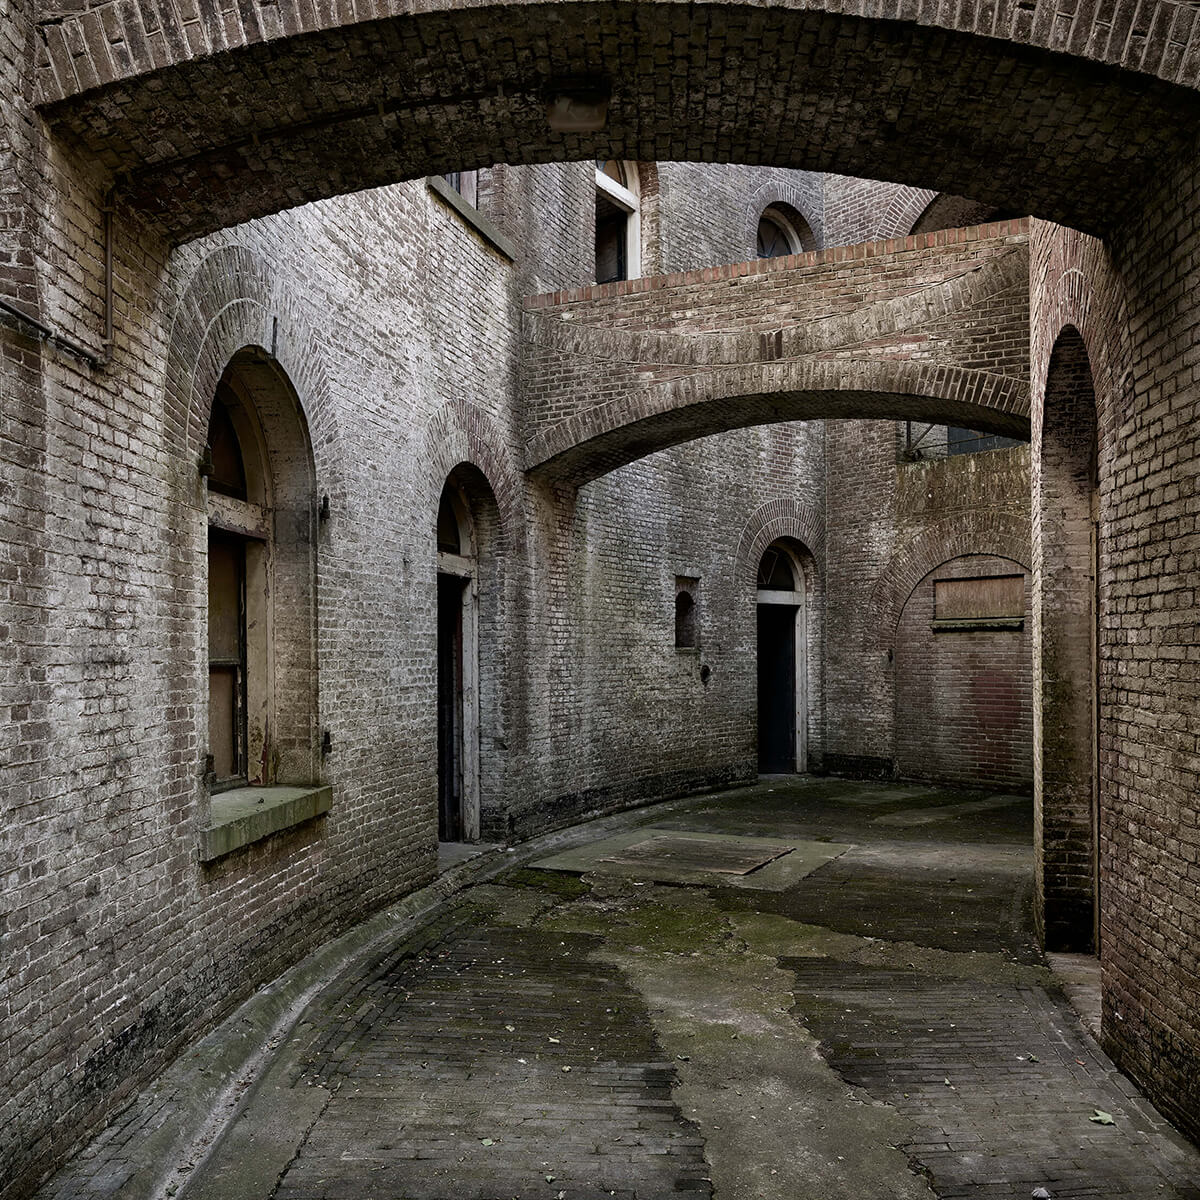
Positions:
{"x": 998, "y": 597}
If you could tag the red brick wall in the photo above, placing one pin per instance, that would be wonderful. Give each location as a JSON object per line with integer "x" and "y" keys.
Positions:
{"x": 963, "y": 706}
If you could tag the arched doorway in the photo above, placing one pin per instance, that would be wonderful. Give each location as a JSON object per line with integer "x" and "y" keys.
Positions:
{"x": 781, "y": 662}
{"x": 1066, "y": 656}
{"x": 457, "y": 670}
{"x": 469, "y": 585}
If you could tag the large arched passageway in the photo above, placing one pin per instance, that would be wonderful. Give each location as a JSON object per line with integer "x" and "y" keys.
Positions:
{"x": 240, "y": 113}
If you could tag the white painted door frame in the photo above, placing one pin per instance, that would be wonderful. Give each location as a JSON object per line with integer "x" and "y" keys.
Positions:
{"x": 796, "y": 600}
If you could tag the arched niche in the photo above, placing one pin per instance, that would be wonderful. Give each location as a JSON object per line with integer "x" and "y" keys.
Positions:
{"x": 1066, "y": 713}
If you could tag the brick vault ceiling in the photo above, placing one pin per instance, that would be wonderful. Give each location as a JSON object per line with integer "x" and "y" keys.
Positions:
{"x": 226, "y": 136}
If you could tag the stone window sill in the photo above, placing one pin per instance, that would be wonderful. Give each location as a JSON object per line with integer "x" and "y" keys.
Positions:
{"x": 473, "y": 217}
{"x": 245, "y": 815}
{"x": 977, "y": 623}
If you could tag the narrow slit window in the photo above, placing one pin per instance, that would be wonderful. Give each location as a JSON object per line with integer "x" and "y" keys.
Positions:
{"x": 687, "y": 631}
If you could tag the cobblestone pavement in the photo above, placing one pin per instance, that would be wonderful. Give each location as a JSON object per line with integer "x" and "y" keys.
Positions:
{"x": 883, "y": 1027}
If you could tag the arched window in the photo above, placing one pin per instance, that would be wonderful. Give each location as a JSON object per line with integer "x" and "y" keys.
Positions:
{"x": 618, "y": 225}
{"x": 775, "y": 571}
{"x": 773, "y": 240}
{"x": 687, "y": 625}
{"x": 238, "y": 545}
{"x": 782, "y": 231}
{"x": 262, "y": 727}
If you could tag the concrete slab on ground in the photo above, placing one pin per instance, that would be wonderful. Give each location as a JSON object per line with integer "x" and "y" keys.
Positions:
{"x": 685, "y": 857}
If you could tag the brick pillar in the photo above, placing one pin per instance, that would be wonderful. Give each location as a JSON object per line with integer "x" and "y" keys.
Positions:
{"x": 1064, "y": 627}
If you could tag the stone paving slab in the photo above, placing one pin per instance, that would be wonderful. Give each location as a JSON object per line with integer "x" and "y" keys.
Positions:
{"x": 774, "y": 864}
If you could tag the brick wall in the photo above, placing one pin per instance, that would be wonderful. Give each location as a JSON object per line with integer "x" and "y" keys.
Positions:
{"x": 963, "y": 698}
{"x": 940, "y": 318}
{"x": 1133, "y": 307}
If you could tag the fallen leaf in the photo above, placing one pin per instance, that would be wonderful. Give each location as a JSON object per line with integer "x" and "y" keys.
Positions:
{"x": 487, "y": 1141}
{"x": 1102, "y": 1118}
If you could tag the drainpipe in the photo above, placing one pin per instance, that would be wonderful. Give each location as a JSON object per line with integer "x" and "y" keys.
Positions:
{"x": 107, "y": 211}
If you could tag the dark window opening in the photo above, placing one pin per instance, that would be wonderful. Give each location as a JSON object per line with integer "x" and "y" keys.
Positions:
{"x": 449, "y": 538}
{"x": 228, "y": 470}
{"x": 227, "y": 658}
{"x": 612, "y": 233}
{"x": 773, "y": 241}
{"x": 614, "y": 168}
{"x": 687, "y": 633}
{"x": 775, "y": 572}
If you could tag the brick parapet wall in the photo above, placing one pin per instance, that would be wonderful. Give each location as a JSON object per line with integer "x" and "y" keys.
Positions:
{"x": 1013, "y": 232}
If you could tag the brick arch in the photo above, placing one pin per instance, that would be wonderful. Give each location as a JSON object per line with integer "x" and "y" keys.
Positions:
{"x": 903, "y": 210}
{"x": 779, "y": 192}
{"x": 233, "y": 301}
{"x": 191, "y": 118}
{"x": 799, "y": 520}
{"x": 1080, "y": 287}
{"x": 976, "y": 532}
{"x": 463, "y": 434}
{"x": 612, "y": 434}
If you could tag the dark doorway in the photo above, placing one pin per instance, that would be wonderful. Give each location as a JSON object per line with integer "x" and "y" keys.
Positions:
{"x": 450, "y": 707}
{"x": 776, "y": 689}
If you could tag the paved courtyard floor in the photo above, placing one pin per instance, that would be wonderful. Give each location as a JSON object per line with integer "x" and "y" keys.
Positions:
{"x": 808, "y": 988}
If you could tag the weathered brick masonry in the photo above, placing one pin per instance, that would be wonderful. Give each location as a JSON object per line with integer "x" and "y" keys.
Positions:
{"x": 939, "y": 319}
{"x": 398, "y": 326}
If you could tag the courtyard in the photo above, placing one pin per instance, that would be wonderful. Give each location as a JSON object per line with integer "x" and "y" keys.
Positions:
{"x": 805, "y": 988}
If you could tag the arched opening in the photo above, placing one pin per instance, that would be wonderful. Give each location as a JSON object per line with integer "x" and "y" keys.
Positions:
{"x": 1066, "y": 776}
{"x": 262, "y": 683}
{"x": 618, "y": 221}
{"x": 963, "y": 708}
{"x": 782, "y": 230}
{"x": 467, "y": 619}
{"x": 781, "y": 648}
{"x": 945, "y": 211}
{"x": 687, "y": 627}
